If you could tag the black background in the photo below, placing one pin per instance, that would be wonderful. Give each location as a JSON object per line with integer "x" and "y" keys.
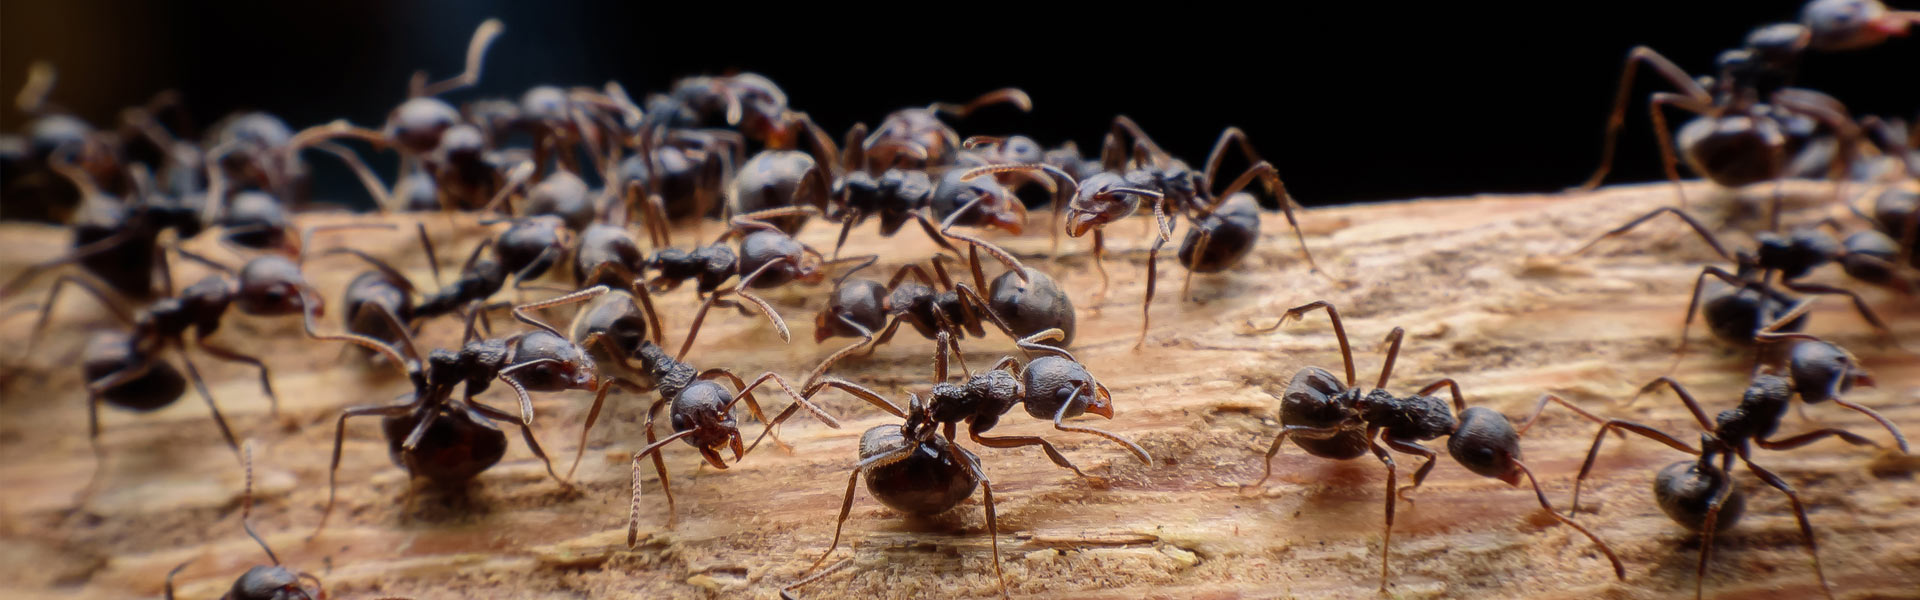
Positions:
{"x": 1365, "y": 101}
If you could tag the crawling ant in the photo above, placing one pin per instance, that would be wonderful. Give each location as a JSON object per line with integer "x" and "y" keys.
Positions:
{"x": 1338, "y": 421}
{"x": 767, "y": 258}
{"x": 1737, "y": 313}
{"x": 913, "y": 468}
{"x": 700, "y": 409}
{"x": 450, "y": 440}
{"x": 262, "y": 582}
{"x": 1751, "y": 126}
{"x": 117, "y": 242}
{"x": 1700, "y": 495}
{"x": 861, "y": 307}
{"x": 1173, "y": 191}
{"x": 428, "y": 130}
{"x": 125, "y": 370}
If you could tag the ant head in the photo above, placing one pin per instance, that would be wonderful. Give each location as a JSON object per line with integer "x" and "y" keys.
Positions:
{"x": 1686, "y": 490}
{"x": 256, "y": 220}
{"x": 763, "y": 247}
{"x": 1053, "y": 382}
{"x": 271, "y": 285}
{"x": 1850, "y": 24}
{"x": 1486, "y": 443}
{"x": 1101, "y": 199}
{"x": 272, "y": 583}
{"x": 551, "y": 363}
{"x": 705, "y": 409}
{"x": 418, "y": 123}
{"x": 461, "y": 144}
{"x": 1823, "y": 371}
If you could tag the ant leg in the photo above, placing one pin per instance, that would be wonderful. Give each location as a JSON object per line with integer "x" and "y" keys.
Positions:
{"x": 660, "y": 467}
{"x": 1227, "y": 136}
{"x": 1061, "y": 413}
{"x": 1691, "y": 222}
{"x": 108, "y": 298}
{"x": 1799, "y": 513}
{"x": 1541, "y": 407}
{"x": 340, "y": 439}
{"x": 593, "y": 415}
{"x": 1617, "y": 118}
{"x": 1199, "y": 251}
{"x": 1707, "y": 528}
{"x": 1619, "y": 570}
{"x": 986, "y": 489}
{"x": 1601, "y": 436}
{"x": 1660, "y": 100}
{"x": 95, "y": 390}
{"x": 1339, "y": 330}
{"x": 1810, "y": 437}
{"x": 426, "y": 244}
{"x": 1420, "y": 474}
{"x": 827, "y": 363}
{"x": 857, "y": 391}
{"x": 168, "y": 593}
{"x": 1026, "y": 440}
{"x": 478, "y": 410}
{"x": 746, "y": 393}
{"x": 1686, "y": 398}
{"x": 1859, "y": 305}
{"x": 223, "y": 353}
{"x": 200, "y": 385}
{"x": 853, "y": 480}
{"x": 1386, "y": 543}
{"x": 934, "y": 232}
{"x": 1014, "y": 96}
{"x": 1146, "y": 304}
{"x": 998, "y": 253}
{"x": 1316, "y": 433}
{"x": 104, "y": 244}
{"x": 886, "y": 335}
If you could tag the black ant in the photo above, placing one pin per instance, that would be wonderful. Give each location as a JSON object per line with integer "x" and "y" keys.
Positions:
{"x": 262, "y": 582}
{"x": 749, "y": 101}
{"x": 117, "y": 242}
{"x": 1339, "y": 421}
{"x": 701, "y": 409}
{"x": 428, "y": 130}
{"x": 917, "y": 467}
{"x": 1735, "y": 314}
{"x": 1701, "y": 495}
{"x": 1752, "y": 126}
{"x": 1174, "y": 191}
{"x": 449, "y": 440}
{"x": 125, "y": 370}
{"x": 861, "y": 307}
{"x": 767, "y": 258}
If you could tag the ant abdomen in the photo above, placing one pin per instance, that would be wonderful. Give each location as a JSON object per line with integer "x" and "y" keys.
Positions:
{"x": 1735, "y": 317}
{"x": 1734, "y": 151}
{"x": 1032, "y": 306}
{"x": 1312, "y": 399}
{"x": 1486, "y": 444}
{"x": 1232, "y": 230}
{"x": 271, "y": 582}
{"x": 1685, "y": 490}
{"x": 928, "y": 481}
{"x": 563, "y": 195}
{"x": 1053, "y": 382}
{"x": 110, "y": 352}
{"x": 454, "y": 449}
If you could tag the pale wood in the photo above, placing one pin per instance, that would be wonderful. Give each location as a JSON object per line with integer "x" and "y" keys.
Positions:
{"x": 1480, "y": 284}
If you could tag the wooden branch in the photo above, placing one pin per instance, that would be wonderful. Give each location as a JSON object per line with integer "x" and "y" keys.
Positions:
{"x": 1481, "y": 284}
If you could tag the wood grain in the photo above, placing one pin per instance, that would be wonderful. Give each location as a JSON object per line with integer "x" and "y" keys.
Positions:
{"x": 1481, "y": 284}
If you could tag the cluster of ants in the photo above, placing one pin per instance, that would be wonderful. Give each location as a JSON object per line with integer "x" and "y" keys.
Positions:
{"x": 134, "y": 195}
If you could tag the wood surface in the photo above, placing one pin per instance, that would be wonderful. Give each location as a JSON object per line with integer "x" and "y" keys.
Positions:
{"x": 1481, "y": 284}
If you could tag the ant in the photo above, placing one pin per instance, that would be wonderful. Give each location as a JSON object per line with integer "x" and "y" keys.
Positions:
{"x": 428, "y": 130}
{"x": 1338, "y": 421}
{"x": 860, "y": 307}
{"x": 1752, "y": 303}
{"x": 125, "y": 370}
{"x": 767, "y": 258}
{"x": 261, "y": 582}
{"x": 913, "y": 468}
{"x": 1699, "y": 494}
{"x": 117, "y": 242}
{"x": 700, "y": 409}
{"x": 1751, "y": 124}
{"x": 1174, "y": 191}
{"x": 449, "y": 440}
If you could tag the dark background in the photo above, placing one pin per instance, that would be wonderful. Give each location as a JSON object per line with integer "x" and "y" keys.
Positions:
{"x": 1368, "y": 101}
